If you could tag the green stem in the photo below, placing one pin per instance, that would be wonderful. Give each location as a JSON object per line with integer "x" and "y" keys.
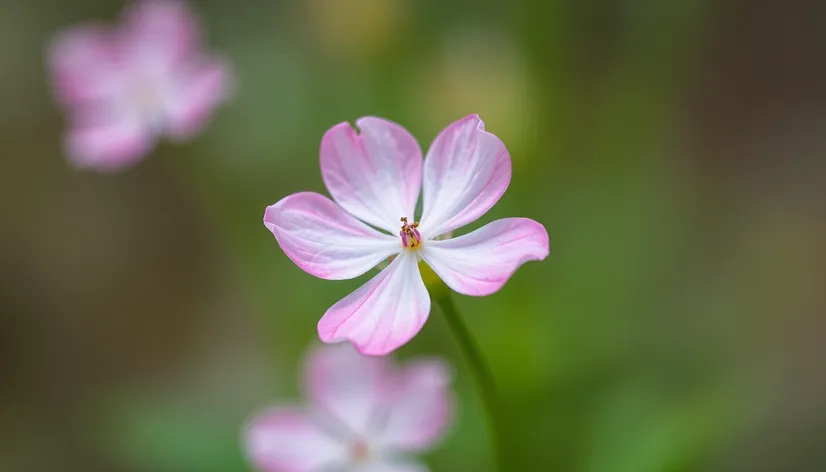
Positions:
{"x": 480, "y": 369}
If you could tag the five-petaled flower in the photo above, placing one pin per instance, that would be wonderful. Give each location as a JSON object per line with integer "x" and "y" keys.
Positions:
{"x": 124, "y": 87}
{"x": 363, "y": 416}
{"x": 375, "y": 177}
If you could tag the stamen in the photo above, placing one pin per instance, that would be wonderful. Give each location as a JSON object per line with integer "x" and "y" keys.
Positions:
{"x": 410, "y": 235}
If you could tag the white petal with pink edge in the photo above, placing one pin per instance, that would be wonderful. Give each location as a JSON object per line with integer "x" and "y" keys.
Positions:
{"x": 286, "y": 439}
{"x": 420, "y": 407}
{"x": 375, "y": 175}
{"x": 383, "y": 314}
{"x": 479, "y": 263}
{"x": 466, "y": 171}
{"x": 323, "y": 239}
{"x": 346, "y": 385}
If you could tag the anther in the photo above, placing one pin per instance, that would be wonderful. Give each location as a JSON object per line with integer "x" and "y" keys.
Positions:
{"x": 409, "y": 234}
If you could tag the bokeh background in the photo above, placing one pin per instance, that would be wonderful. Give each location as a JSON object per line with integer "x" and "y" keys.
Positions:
{"x": 676, "y": 152}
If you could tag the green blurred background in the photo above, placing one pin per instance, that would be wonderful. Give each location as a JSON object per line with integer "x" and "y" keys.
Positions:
{"x": 675, "y": 151}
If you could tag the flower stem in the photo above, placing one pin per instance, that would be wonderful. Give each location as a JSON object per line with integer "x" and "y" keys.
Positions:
{"x": 480, "y": 369}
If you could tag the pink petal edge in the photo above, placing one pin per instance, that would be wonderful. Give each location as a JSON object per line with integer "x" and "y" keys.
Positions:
{"x": 466, "y": 171}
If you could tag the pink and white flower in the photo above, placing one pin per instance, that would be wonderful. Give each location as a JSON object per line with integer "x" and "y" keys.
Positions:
{"x": 123, "y": 87}
{"x": 363, "y": 416}
{"x": 374, "y": 178}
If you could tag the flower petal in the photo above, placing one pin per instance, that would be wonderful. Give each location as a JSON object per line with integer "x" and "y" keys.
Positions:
{"x": 383, "y": 314}
{"x": 391, "y": 465}
{"x": 480, "y": 262}
{"x": 194, "y": 95}
{"x": 420, "y": 409}
{"x": 159, "y": 33}
{"x": 346, "y": 385}
{"x": 83, "y": 64}
{"x": 110, "y": 144}
{"x": 286, "y": 439}
{"x": 323, "y": 239}
{"x": 466, "y": 171}
{"x": 375, "y": 175}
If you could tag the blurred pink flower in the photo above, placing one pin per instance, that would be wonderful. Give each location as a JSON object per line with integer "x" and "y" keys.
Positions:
{"x": 363, "y": 416}
{"x": 124, "y": 87}
{"x": 375, "y": 177}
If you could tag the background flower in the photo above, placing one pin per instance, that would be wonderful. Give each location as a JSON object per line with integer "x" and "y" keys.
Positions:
{"x": 123, "y": 87}
{"x": 363, "y": 415}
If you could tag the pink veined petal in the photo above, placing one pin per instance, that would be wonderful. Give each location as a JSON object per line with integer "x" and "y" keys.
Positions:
{"x": 323, "y": 239}
{"x": 346, "y": 385}
{"x": 84, "y": 66}
{"x": 480, "y": 262}
{"x": 194, "y": 95}
{"x": 110, "y": 144}
{"x": 160, "y": 33}
{"x": 420, "y": 407}
{"x": 375, "y": 175}
{"x": 390, "y": 465}
{"x": 383, "y": 314}
{"x": 285, "y": 439}
{"x": 466, "y": 171}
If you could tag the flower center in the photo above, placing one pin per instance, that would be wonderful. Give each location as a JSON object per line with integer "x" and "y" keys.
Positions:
{"x": 360, "y": 451}
{"x": 411, "y": 238}
{"x": 147, "y": 100}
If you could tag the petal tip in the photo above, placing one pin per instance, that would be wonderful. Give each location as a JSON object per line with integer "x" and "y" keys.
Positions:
{"x": 330, "y": 336}
{"x": 372, "y": 120}
{"x": 327, "y": 148}
{"x": 270, "y": 216}
{"x": 540, "y": 238}
{"x": 471, "y": 119}
{"x": 367, "y": 119}
{"x": 373, "y": 351}
{"x": 342, "y": 127}
{"x": 543, "y": 239}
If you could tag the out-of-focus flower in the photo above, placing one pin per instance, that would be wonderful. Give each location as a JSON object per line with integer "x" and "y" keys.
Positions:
{"x": 363, "y": 416}
{"x": 375, "y": 177}
{"x": 125, "y": 86}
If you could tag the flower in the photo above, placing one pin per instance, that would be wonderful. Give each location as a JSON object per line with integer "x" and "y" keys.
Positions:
{"x": 363, "y": 416}
{"x": 123, "y": 87}
{"x": 375, "y": 177}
